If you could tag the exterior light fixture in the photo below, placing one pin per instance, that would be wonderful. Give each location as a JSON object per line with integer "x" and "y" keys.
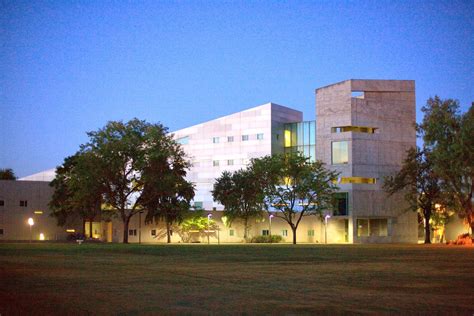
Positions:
{"x": 270, "y": 226}
{"x": 41, "y": 236}
{"x": 31, "y": 222}
{"x": 326, "y": 228}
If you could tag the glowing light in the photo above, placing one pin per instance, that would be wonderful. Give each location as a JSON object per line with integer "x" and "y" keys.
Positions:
{"x": 38, "y": 212}
{"x": 31, "y": 222}
{"x": 41, "y": 236}
{"x": 287, "y": 138}
{"x": 70, "y": 230}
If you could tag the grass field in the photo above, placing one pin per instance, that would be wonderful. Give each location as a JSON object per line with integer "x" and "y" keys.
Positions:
{"x": 253, "y": 279}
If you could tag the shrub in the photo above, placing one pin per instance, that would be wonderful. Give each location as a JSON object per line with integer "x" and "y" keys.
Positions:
{"x": 266, "y": 239}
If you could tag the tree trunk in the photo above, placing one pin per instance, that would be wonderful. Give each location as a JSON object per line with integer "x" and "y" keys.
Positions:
{"x": 427, "y": 227}
{"x": 245, "y": 230}
{"x": 84, "y": 227}
{"x": 293, "y": 228}
{"x": 90, "y": 228}
{"x": 126, "y": 221}
{"x": 168, "y": 235}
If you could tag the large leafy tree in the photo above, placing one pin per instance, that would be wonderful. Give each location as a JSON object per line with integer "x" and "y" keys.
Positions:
{"x": 77, "y": 191}
{"x": 241, "y": 198}
{"x": 448, "y": 135}
{"x": 295, "y": 187}
{"x": 166, "y": 194}
{"x": 420, "y": 185}
{"x": 7, "y": 174}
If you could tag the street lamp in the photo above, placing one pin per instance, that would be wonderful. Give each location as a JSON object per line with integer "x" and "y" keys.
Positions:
{"x": 270, "y": 226}
{"x": 326, "y": 228}
{"x": 208, "y": 227}
{"x": 31, "y": 222}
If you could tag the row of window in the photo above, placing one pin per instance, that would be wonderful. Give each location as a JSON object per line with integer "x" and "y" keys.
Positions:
{"x": 372, "y": 227}
{"x": 230, "y": 139}
{"x": 23, "y": 203}
{"x": 229, "y": 162}
{"x": 284, "y": 232}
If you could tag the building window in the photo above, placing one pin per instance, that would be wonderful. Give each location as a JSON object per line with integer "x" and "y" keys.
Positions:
{"x": 377, "y": 227}
{"x": 230, "y": 162}
{"x": 310, "y": 232}
{"x": 198, "y": 205}
{"x": 183, "y": 140}
{"x": 356, "y": 129}
{"x": 230, "y": 139}
{"x": 356, "y": 180}
{"x": 38, "y": 212}
{"x": 215, "y": 163}
{"x": 2, "y": 202}
{"x": 265, "y": 232}
{"x": 215, "y": 140}
{"x": 277, "y": 136}
{"x": 341, "y": 202}
{"x": 131, "y": 232}
{"x": 284, "y": 232}
{"x": 24, "y": 203}
{"x": 362, "y": 227}
{"x": 245, "y": 138}
{"x": 1, "y": 231}
{"x": 340, "y": 152}
{"x": 153, "y": 232}
{"x": 231, "y": 232}
{"x": 260, "y": 136}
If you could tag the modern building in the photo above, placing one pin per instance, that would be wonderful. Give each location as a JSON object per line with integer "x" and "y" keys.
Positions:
{"x": 362, "y": 129}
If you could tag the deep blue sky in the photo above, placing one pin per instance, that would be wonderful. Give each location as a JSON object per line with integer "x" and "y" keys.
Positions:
{"x": 68, "y": 67}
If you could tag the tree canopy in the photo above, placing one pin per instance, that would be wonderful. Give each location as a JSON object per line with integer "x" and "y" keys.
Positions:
{"x": 448, "y": 136}
{"x": 295, "y": 187}
{"x": 7, "y": 174}
{"x": 241, "y": 197}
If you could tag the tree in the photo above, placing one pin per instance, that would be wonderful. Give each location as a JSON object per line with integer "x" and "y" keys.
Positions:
{"x": 7, "y": 174}
{"x": 420, "y": 184}
{"x": 241, "y": 198}
{"x": 448, "y": 135}
{"x": 195, "y": 222}
{"x": 166, "y": 194}
{"x": 122, "y": 151}
{"x": 295, "y": 187}
{"x": 77, "y": 192}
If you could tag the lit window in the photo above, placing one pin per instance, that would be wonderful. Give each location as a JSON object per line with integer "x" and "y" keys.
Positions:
{"x": 260, "y": 136}
{"x": 24, "y": 203}
{"x": 230, "y": 162}
{"x": 310, "y": 232}
{"x": 245, "y": 137}
{"x": 284, "y": 232}
{"x": 231, "y": 232}
{"x": 183, "y": 140}
{"x": 215, "y": 163}
{"x": 362, "y": 227}
{"x": 70, "y": 230}
{"x": 153, "y": 232}
{"x": 230, "y": 139}
{"x": 356, "y": 180}
{"x": 38, "y": 212}
{"x": 2, "y": 203}
{"x": 215, "y": 140}
{"x": 377, "y": 227}
{"x": 340, "y": 152}
{"x": 265, "y": 232}
{"x": 287, "y": 138}
{"x": 355, "y": 129}
{"x": 340, "y": 204}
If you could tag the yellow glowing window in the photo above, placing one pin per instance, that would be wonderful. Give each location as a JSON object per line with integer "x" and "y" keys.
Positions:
{"x": 356, "y": 129}
{"x": 287, "y": 138}
{"x": 38, "y": 212}
{"x": 347, "y": 180}
{"x": 70, "y": 230}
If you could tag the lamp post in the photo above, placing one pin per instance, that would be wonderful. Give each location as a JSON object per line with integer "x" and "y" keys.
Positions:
{"x": 326, "y": 228}
{"x": 31, "y": 222}
{"x": 208, "y": 227}
{"x": 270, "y": 226}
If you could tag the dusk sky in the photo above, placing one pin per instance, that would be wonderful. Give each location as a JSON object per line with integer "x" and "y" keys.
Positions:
{"x": 67, "y": 67}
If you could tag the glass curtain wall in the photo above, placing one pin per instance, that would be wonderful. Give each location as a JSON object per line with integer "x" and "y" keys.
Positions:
{"x": 301, "y": 137}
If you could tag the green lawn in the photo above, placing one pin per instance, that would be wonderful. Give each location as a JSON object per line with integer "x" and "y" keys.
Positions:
{"x": 262, "y": 279}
